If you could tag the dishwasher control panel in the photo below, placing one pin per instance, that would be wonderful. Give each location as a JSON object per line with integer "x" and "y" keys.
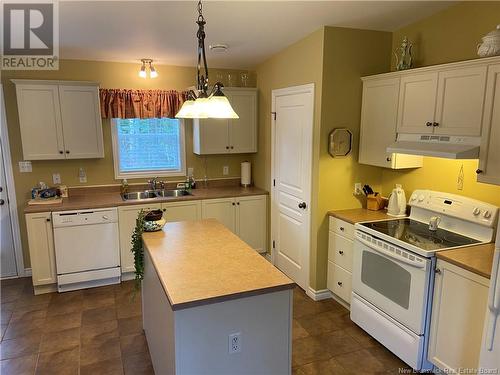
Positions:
{"x": 84, "y": 217}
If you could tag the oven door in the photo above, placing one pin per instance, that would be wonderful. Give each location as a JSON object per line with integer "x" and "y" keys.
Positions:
{"x": 394, "y": 280}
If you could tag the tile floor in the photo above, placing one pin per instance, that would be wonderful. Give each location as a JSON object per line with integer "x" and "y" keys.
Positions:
{"x": 99, "y": 331}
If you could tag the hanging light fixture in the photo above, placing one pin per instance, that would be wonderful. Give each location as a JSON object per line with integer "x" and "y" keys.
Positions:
{"x": 201, "y": 104}
{"x": 152, "y": 71}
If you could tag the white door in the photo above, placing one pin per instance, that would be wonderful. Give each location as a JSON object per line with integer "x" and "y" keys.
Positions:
{"x": 224, "y": 210}
{"x": 460, "y": 101}
{"x": 417, "y": 103}
{"x": 7, "y": 252}
{"x": 40, "y": 122}
{"x": 292, "y": 131}
{"x": 243, "y": 131}
{"x": 81, "y": 119}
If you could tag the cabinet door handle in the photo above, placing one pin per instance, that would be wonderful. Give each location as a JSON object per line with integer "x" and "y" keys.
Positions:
{"x": 303, "y": 205}
{"x": 238, "y": 203}
{"x": 435, "y": 124}
{"x": 388, "y": 159}
{"x": 341, "y": 252}
{"x": 438, "y": 271}
{"x": 342, "y": 229}
{"x": 48, "y": 219}
{"x": 164, "y": 210}
{"x": 227, "y": 147}
{"x": 67, "y": 151}
{"x": 61, "y": 151}
{"x": 428, "y": 123}
{"x": 479, "y": 171}
{"x": 232, "y": 147}
{"x": 233, "y": 203}
{"x": 2, "y": 202}
{"x": 339, "y": 283}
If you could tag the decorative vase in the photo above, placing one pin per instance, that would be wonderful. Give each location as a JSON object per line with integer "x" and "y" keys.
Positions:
{"x": 490, "y": 45}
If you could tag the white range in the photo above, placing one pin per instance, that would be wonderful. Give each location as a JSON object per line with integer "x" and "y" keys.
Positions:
{"x": 394, "y": 262}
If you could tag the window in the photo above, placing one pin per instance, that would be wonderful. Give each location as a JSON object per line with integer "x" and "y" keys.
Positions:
{"x": 148, "y": 147}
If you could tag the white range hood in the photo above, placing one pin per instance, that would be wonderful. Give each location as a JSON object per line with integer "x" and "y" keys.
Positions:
{"x": 450, "y": 147}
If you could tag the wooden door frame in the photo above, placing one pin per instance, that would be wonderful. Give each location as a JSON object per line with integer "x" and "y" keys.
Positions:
{"x": 307, "y": 88}
{"x": 11, "y": 189}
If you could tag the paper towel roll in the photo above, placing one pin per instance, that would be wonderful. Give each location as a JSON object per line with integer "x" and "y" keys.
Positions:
{"x": 246, "y": 173}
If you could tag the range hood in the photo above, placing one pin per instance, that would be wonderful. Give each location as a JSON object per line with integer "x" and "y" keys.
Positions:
{"x": 440, "y": 146}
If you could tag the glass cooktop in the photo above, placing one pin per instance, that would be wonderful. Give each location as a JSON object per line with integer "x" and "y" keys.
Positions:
{"x": 418, "y": 234}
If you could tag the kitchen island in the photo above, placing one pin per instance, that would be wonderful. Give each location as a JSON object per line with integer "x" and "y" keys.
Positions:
{"x": 212, "y": 305}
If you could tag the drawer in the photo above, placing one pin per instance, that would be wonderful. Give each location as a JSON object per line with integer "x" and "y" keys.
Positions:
{"x": 342, "y": 227}
{"x": 340, "y": 250}
{"x": 339, "y": 281}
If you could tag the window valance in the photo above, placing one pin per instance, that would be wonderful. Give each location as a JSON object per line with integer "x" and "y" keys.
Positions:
{"x": 124, "y": 103}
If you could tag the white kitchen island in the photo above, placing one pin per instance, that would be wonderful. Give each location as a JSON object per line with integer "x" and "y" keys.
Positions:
{"x": 212, "y": 305}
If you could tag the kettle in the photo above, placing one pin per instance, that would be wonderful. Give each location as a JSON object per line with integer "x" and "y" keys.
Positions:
{"x": 397, "y": 202}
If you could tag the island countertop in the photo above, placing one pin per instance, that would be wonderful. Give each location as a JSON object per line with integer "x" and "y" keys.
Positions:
{"x": 202, "y": 262}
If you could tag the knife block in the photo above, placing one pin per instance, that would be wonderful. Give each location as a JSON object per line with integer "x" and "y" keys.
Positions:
{"x": 375, "y": 202}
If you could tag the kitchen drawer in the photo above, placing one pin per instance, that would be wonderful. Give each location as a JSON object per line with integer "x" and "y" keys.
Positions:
{"x": 340, "y": 250}
{"x": 339, "y": 281}
{"x": 342, "y": 227}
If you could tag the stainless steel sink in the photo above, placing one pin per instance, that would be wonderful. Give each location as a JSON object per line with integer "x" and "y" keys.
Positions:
{"x": 153, "y": 194}
{"x": 139, "y": 195}
{"x": 172, "y": 193}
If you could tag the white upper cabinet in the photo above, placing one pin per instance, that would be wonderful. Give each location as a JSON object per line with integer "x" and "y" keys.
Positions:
{"x": 417, "y": 103}
{"x": 59, "y": 119}
{"x": 222, "y": 136}
{"x": 489, "y": 156}
{"x": 378, "y": 125}
{"x": 460, "y": 101}
{"x": 81, "y": 119}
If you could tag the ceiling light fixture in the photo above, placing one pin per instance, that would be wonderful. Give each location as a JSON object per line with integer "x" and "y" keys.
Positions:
{"x": 200, "y": 104}
{"x": 152, "y": 71}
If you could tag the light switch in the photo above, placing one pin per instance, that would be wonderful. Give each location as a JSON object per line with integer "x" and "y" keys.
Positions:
{"x": 225, "y": 170}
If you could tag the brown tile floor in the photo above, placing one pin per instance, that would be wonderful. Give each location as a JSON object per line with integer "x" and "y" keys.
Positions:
{"x": 99, "y": 331}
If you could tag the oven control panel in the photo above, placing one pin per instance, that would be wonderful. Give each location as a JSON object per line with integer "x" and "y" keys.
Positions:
{"x": 455, "y": 206}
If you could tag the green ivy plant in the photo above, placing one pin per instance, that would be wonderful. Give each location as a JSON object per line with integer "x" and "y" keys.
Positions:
{"x": 138, "y": 249}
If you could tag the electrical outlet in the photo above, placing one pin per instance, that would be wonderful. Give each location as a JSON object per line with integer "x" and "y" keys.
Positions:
{"x": 191, "y": 171}
{"x": 234, "y": 343}
{"x": 56, "y": 178}
{"x": 358, "y": 189}
{"x": 225, "y": 170}
{"x": 25, "y": 167}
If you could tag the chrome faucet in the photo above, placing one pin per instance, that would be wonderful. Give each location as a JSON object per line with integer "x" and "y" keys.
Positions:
{"x": 152, "y": 183}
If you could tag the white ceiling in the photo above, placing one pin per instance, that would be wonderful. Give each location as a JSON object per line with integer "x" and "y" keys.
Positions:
{"x": 254, "y": 30}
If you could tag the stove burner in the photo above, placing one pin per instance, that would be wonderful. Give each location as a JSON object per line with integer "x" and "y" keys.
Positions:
{"x": 418, "y": 234}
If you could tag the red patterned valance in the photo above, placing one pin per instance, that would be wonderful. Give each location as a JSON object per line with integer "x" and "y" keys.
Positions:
{"x": 123, "y": 103}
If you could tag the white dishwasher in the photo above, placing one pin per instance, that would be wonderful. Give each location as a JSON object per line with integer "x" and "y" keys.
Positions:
{"x": 87, "y": 248}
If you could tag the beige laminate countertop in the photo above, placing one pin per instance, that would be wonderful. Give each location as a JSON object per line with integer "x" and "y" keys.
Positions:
{"x": 477, "y": 259}
{"x": 358, "y": 215}
{"x": 202, "y": 262}
{"x": 113, "y": 199}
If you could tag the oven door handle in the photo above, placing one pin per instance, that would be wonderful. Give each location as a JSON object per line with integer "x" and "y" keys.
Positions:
{"x": 390, "y": 254}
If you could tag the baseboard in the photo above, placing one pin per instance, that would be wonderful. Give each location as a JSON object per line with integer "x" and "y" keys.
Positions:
{"x": 27, "y": 272}
{"x": 318, "y": 295}
{"x": 341, "y": 301}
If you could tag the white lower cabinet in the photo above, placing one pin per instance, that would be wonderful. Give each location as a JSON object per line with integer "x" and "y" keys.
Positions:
{"x": 127, "y": 216}
{"x": 41, "y": 248}
{"x": 181, "y": 211}
{"x": 460, "y": 299}
{"x": 340, "y": 253}
{"x": 244, "y": 216}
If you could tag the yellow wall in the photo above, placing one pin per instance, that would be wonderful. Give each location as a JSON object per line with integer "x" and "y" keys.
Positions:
{"x": 450, "y": 35}
{"x": 348, "y": 55}
{"x": 100, "y": 171}
{"x": 333, "y": 59}
{"x": 300, "y": 63}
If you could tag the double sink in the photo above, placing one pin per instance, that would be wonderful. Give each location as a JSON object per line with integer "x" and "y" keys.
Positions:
{"x": 154, "y": 194}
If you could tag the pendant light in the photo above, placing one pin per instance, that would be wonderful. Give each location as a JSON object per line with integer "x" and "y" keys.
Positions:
{"x": 201, "y": 104}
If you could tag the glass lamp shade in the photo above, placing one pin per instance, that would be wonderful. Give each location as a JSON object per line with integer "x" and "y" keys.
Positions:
{"x": 142, "y": 72}
{"x": 194, "y": 109}
{"x": 219, "y": 107}
{"x": 152, "y": 72}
